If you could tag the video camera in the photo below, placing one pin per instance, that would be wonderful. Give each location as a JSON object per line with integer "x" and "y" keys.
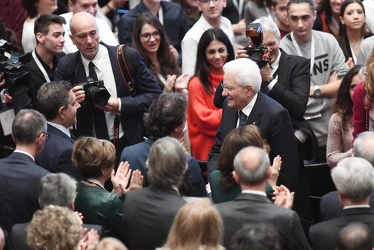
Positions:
{"x": 259, "y": 53}
{"x": 12, "y": 69}
{"x": 95, "y": 91}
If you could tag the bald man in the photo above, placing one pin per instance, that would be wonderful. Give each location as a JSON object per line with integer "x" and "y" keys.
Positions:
{"x": 120, "y": 119}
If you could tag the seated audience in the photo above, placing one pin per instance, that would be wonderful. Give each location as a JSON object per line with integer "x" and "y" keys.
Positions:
{"x": 197, "y": 225}
{"x": 251, "y": 170}
{"x": 339, "y": 137}
{"x": 355, "y": 236}
{"x": 223, "y": 186}
{"x": 353, "y": 179}
{"x": 59, "y": 105}
{"x": 353, "y": 29}
{"x": 149, "y": 212}
{"x": 19, "y": 175}
{"x": 166, "y": 118}
{"x": 362, "y": 147}
{"x": 256, "y": 237}
{"x": 95, "y": 160}
{"x": 213, "y": 51}
{"x": 54, "y": 189}
{"x": 110, "y": 243}
{"x": 161, "y": 58}
{"x": 327, "y": 19}
{"x": 34, "y": 9}
{"x": 54, "y": 227}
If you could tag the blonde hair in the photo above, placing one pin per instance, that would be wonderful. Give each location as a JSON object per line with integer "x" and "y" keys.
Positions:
{"x": 197, "y": 225}
{"x": 90, "y": 155}
{"x": 55, "y": 228}
{"x": 369, "y": 83}
{"x": 110, "y": 243}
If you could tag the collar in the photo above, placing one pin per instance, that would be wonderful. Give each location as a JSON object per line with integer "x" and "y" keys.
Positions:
{"x": 205, "y": 24}
{"x": 101, "y": 53}
{"x": 46, "y": 66}
{"x": 274, "y": 66}
{"x": 247, "y": 109}
{"x": 60, "y": 127}
{"x": 25, "y": 153}
{"x": 254, "y": 192}
{"x": 356, "y": 206}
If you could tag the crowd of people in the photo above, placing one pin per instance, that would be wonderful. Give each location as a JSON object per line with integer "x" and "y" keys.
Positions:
{"x": 186, "y": 124}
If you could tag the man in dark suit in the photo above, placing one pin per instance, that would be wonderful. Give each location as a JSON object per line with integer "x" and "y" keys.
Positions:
{"x": 54, "y": 189}
{"x": 149, "y": 212}
{"x": 353, "y": 178}
{"x": 58, "y": 104}
{"x": 251, "y": 170}
{"x": 166, "y": 117}
{"x": 362, "y": 147}
{"x": 19, "y": 175}
{"x": 120, "y": 120}
{"x": 241, "y": 86}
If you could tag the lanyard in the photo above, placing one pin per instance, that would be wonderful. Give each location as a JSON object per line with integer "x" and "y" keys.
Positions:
{"x": 239, "y": 7}
{"x": 161, "y": 15}
{"x": 312, "y": 51}
{"x": 40, "y": 66}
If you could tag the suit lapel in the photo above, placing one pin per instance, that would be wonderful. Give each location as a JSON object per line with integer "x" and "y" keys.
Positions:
{"x": 256, "y": 114}
{"x": 284, "y": 65}
{"x": 56, "y": 132}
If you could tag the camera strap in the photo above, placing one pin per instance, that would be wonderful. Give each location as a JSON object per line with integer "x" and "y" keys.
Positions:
{"x": 40, "y": 66}
{"x": 122, "y": 63}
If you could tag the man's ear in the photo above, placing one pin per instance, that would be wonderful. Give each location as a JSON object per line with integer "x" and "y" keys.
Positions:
{"x": 70, "y": 5}
{"x": 39, "y": 37}
{"x": 236, "y": 177}
{"x": 224, "y": 2}
{"x": 71, "y": 38}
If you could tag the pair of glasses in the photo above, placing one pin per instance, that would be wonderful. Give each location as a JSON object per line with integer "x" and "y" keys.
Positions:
{"x": 46, "y": 135}
{"x": 226, "y": 87}
{"x": 208, "y": 1}
{"x": 147, "y": 36}
{"x": 83, "y": 37}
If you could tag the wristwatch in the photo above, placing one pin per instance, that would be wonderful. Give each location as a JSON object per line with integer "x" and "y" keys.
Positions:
{"x": 269, "y": 81}
{"x": 317, "y": 91}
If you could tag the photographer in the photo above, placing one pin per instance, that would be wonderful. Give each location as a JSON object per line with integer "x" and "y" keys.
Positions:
{"x": 99, "y": 62}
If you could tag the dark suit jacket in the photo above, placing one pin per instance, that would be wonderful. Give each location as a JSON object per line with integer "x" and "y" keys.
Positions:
{"x": 330, "y": 207}
{"x": 292, "y": 92}
{"x": 275, "y": 126}
{"x": 56, "y": 155}
{"x": 18, "y": 235}
{"x": 19, "y": 184}
{"x": 252, "y": 209}
{"x": 323, "y": 235}
{"x": 137, "y": 156}
{"x": 148, "y": 215}
{"x": 175, "y": 23}
{"x": 132, "y": 108}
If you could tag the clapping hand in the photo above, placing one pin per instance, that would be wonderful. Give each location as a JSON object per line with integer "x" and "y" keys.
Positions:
{"x": 283, "y": 197}
{"x": 121, "y": 178}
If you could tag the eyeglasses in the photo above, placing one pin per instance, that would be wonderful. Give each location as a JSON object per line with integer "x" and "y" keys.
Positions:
{"x": 228, "y": 88}
{"x": 46, "y": 135}
{"x": 83, "y": 37}
{"x": 208, "y": 1}
{"x": 147, "y": 36}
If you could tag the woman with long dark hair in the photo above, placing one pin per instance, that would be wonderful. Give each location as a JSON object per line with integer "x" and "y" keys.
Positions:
{"x": 213, "y": 51}
{"x": 161, "y": 58}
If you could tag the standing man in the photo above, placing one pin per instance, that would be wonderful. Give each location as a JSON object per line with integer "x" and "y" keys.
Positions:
{"x": 251, "y": 170}
{"x": 244, "y": 105}
{"x": 280, "y": 11}
{"x": 19, "y": 175}
{"x": 49, "y": 34}
{"x": 58, "y": 104}
{"x": 121, "y": 119}
{"x": 211, "y": 17}
{"x": 89, "y": 6}
{"x": 327, "y": 65}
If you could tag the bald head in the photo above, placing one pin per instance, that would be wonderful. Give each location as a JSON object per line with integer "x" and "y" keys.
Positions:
{"x": 251, "y": 165}
{"x": 85, "y": 34}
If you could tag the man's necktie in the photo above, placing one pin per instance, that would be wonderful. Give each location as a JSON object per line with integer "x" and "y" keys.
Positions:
{"x": 242, "y": 119}
{"x": 98, "y": 114}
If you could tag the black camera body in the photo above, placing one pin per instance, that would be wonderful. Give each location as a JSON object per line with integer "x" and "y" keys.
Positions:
{"x": 259, "y": 53}
{"x": 95, "y": 91}
{"x": 14, "y": 72}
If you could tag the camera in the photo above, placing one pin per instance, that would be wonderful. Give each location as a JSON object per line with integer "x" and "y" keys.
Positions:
{"x": 12, "y": 69}
{"x": 95, "y": 91}
{"x": 259, "y": 53}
